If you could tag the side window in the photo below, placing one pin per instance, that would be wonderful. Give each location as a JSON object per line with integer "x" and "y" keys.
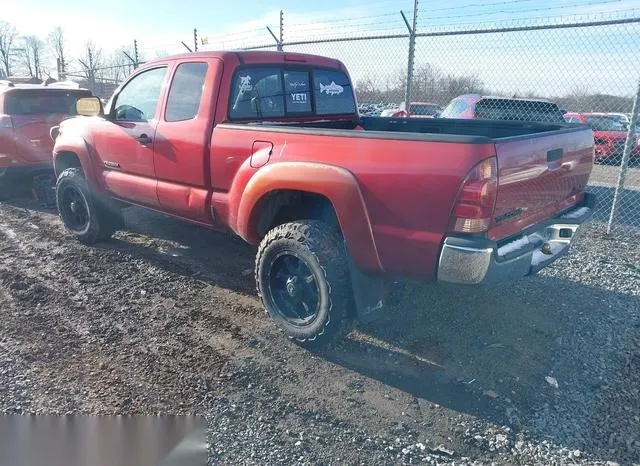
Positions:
{"x": 183, "y": 102}
{"x": 257, "y": 93}
{"x": 455, "y": 108}
{"x": 333, "y": 93}
{"x": 449, "y": 111}
{"x": 297, "y": 91}
{"x": 138, "y": 100}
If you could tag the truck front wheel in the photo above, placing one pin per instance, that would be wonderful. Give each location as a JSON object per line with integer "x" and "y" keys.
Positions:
{"x": 83, "y": 214}
{"x": 302, "y": 275}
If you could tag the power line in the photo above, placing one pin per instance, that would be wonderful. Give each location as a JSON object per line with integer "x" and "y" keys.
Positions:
{"x": 472, "y": 5}
{"x": 232, "y": 34}
{"x": 345, "y": 20}
{"x": 408, "y": 4}
{"x": 349, "y": 27}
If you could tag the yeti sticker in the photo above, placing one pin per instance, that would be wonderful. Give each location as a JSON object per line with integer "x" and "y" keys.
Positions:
{"x": 331, "y": 89}
{"x": 299, "y": 97}
{"x": 245, "y": 84}
{"x": 297, "y": 84}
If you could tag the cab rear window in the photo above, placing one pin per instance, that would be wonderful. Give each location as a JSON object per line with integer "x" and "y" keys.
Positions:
{"x": 521, "y": 110}
{"x": 42, "y": 102}
{"x": 277, "y": 92}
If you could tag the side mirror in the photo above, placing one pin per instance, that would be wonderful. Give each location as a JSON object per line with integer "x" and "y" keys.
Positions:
{"x": 89, "y": 106}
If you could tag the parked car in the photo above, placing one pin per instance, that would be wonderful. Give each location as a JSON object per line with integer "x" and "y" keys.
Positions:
{"x": 620, "y": 117}
{"x": 474, "y": 106}
{"x": 609, "y": 136}
{"x": 27, "y": 112}
{"x": 270, "y": 146}
{"x": 418, "y": 110}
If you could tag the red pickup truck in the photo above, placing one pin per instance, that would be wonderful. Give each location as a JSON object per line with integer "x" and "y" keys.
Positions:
{"x": 270, "y": 146}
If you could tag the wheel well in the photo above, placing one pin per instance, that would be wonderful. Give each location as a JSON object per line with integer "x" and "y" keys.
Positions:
{"x": 284, "y": 206}
{"x": 66, "y": 160}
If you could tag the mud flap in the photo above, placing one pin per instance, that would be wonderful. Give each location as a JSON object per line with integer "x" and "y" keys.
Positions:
{"x": 368, "y": 293}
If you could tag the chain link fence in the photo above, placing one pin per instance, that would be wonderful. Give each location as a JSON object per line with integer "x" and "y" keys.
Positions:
{"x": 584, "y": 71}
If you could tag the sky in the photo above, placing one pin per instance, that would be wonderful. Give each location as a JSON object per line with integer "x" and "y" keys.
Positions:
{"x": 528, "y": 62}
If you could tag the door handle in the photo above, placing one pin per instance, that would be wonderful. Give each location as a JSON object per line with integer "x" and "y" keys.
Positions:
{"x": 144, "y": 139}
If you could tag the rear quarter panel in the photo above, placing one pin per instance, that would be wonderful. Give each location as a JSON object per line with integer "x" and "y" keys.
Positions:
{"x": 408, "y": 186}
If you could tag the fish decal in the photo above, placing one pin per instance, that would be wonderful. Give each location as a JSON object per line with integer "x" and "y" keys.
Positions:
{"x": 331, "y": 89}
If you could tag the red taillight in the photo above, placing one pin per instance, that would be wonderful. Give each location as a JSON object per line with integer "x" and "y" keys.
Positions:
{"x": 477, "y": 198}
{"x": 6, "y": 121}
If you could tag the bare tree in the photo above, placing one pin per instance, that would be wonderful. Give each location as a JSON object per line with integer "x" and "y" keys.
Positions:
{"x": 119, "y": 65}
{"x": 7, "y": 37}
{"x": 57, "y": 43}
{"x": 30, "y": 56}
{"x": 91, "y": 62}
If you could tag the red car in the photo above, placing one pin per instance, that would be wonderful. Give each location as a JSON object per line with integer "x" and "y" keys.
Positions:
{"x": 475, "y": 106}
{"x": 419, "y": 110}
{"x": 270, "y": 146}
{"x": 27, "y": 113}
{"x": 609, "y": 136}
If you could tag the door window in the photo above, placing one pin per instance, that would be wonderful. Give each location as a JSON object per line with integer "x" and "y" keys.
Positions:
{"x": 183, "y": 102}
{"x": 139, "y": 98}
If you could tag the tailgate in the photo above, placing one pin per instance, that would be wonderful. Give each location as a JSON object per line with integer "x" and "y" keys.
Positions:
{"x": 539, "y": 175}
{"x": 34, "y": 144}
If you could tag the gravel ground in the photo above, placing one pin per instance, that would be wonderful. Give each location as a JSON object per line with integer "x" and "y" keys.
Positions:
{"x": 164, "y": 319}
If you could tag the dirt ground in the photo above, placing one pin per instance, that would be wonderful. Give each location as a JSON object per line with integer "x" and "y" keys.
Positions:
{"x": 164, "y": 319}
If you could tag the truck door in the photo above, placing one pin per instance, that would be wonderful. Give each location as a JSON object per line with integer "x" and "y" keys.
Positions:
{"x": 181, "y": 150}
{"x": 125, "y": 140}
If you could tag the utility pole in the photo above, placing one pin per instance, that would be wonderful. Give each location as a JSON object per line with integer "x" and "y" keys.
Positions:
{"x": 62, "y": 75}
{"x": 92, "y": 78}
{"x": 412, "y": 49}
{"x": 36, "y": 62}
{"x": 195, "y": 40}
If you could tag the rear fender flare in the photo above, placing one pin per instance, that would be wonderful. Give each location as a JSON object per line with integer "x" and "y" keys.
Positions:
{"x": 335, "y": 183}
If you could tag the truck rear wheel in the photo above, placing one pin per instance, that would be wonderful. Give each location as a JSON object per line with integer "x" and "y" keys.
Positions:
{"x": 83, "y": 214}
{"x": 302, "y": 275}
{"x": 5, "y": 185}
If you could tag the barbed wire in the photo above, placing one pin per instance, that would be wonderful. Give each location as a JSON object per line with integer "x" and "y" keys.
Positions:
{"x": 531, "y": 10}
{"x": 539, "y": 21}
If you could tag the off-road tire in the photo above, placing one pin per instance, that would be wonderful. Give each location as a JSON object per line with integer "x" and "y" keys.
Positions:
{"x": 103, "y": 218}
{"x": 321, "y": 247}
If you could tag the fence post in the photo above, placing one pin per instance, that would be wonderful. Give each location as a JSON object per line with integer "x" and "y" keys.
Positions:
{"x": 281, "y": 41}
{"x": 278, "y": 43}
{"x": 136, "y": 57}
{"x": 195, "y": 40}
{"x": 412, "y": 48}
{"x": 624, "y": 166}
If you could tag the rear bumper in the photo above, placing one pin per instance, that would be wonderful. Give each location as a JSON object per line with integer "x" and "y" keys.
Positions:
{"x": 475, "y": 261}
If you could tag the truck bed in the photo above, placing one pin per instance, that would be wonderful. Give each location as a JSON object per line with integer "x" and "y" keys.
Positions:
{"x": 436, "y": 129}
{"x": 410, "y": 172}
